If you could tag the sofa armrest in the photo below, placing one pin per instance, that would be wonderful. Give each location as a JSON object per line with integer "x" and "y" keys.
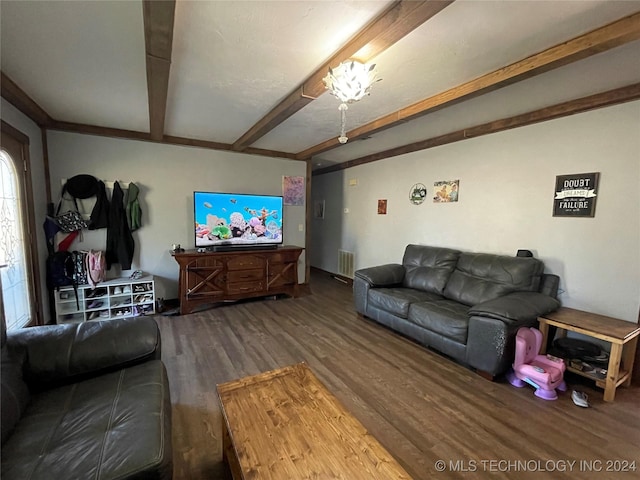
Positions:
{"x": 372, "y": 277}
{"x": 59, "y": 354}
{"x": 382, "y": 275}
{"x": 491, "y": 343}
{"x": 493, "y": 326}
{"x": 517, "y": 306}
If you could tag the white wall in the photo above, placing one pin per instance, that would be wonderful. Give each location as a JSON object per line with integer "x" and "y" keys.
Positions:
{"x": 167, "y": 176}
{"x": 19, "y": 121}
{"x": 507, "y": 182}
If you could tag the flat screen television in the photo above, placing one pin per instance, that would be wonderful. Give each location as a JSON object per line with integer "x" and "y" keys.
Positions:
{"x": 229, "y": 220}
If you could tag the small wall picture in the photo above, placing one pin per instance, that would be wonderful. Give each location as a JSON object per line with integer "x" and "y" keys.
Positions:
{"x": 293, "y": 190}
{"x": 318, "y": 209}
{"x": 446, "y": 191}
{"x": 382, "y": 207}
{"x": 576, "y": 195}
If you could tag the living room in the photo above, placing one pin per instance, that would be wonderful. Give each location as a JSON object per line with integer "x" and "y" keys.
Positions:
{"x": 506, "y": 191}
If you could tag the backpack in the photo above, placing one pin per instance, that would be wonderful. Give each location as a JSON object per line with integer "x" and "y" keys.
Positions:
{"x": 95, "y": 267}
{"x": 60, "y": 272}
{"x": 81, "y": 187}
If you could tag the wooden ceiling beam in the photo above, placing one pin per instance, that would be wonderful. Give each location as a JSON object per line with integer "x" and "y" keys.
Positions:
{"x": 98, "y": 130}
{"x": 158, "y": 16}
{"x": 191, "y": 142}
{"x": 396, "y": 22}
{"x": 23, "y": 102}
{"x": 610, "y": 36}
{"x": 166, "y": 139}
{"x": 591, "y": 102}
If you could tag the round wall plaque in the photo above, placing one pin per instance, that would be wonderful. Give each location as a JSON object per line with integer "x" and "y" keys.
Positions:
{"x": 417, "y": 194}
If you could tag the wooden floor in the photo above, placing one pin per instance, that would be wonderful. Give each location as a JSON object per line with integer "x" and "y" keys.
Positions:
{"x": 422, "y": 407}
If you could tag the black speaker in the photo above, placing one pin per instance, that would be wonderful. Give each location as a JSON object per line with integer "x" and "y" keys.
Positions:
{"x": 524, "y": 253}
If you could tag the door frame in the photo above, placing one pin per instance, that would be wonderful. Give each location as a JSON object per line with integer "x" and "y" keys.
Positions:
{"x": 11, "y": 134}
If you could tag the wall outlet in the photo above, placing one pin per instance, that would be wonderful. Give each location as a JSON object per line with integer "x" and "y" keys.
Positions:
{"x": 301, "y": 227}
{"x": 353, "y": 182}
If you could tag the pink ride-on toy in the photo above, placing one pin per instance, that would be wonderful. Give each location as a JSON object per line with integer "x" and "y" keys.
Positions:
{"x": 544, "y": 373}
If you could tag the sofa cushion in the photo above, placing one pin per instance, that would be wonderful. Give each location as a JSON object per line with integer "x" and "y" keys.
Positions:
{"x": 444, "y": 317}
{"x": 15, "y": 394}
{"x": 428, "y": 268}
{"x": 111, "y": 426}
{"x": 480, "y": 277}
{"x": 396, "y": 300}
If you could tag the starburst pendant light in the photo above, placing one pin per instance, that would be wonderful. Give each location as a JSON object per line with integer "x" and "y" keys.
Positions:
{"x": 349, "y": 82}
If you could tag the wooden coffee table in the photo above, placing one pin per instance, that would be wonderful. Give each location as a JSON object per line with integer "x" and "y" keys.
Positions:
{"x": 284, "y": 424}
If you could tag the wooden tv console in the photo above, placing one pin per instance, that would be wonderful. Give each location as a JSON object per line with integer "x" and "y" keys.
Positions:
{"x": 210, "y": 277}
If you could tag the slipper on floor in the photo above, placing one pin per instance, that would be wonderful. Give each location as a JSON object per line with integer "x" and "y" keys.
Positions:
{"x": 580, "y": 399}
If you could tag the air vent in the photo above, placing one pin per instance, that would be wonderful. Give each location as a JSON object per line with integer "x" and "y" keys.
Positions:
{"x": 346, "y": 262}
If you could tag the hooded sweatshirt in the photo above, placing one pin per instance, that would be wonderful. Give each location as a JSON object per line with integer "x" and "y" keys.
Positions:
{"x": 133, "y": 211}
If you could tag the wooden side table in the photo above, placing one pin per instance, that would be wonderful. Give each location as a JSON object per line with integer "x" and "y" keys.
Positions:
{"x": 622, "y": 335}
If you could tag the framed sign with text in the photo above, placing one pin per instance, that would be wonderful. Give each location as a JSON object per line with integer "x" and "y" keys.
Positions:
{"x": 576, "y": 195}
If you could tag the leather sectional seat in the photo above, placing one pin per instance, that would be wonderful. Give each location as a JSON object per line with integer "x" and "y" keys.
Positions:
{"x": 85, "y": 401}
{"x": 466, "y": 305}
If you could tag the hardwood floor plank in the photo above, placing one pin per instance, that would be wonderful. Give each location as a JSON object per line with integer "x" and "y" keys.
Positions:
{"x": 420, "y": 405}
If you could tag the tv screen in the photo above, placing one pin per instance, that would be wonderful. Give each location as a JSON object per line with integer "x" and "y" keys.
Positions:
{"x": 226, "y": 219}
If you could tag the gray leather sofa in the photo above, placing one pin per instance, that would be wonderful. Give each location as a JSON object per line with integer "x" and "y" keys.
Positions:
{"x": 468, "y": 306}
{"x": 85, "y": 401}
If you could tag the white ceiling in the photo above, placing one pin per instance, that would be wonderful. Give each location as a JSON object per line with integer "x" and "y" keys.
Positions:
{"x": 232, "y": 62}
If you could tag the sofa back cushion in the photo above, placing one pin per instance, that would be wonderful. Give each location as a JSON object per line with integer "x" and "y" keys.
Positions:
{"x": 480, "y": 277}
{"x": 428, "y": 268}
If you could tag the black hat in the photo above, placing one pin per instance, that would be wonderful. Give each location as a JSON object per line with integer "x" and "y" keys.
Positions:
{"x": 82, "y": 186}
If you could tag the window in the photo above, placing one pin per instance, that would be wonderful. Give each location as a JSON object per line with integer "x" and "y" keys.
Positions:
{"x": 13, "y": 247}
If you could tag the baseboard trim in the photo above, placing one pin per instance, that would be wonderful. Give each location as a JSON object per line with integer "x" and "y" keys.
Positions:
{"x": 335, "y": 276}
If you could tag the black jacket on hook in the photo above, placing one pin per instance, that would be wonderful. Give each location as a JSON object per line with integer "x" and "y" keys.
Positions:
{"x": 120, "y": 243}
{"x": 100, "y": 213}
